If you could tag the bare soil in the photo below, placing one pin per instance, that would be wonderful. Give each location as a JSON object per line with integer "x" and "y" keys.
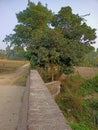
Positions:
{"x": 86, "y": 72}
{"x": 10, "y": 99}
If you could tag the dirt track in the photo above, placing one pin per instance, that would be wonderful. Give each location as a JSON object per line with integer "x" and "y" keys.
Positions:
{"x": 10, "y": 99}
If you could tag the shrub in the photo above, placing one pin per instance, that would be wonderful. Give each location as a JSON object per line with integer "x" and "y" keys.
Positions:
{"x": 68, "y": 70}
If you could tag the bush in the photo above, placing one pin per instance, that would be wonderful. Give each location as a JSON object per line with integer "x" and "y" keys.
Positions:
{"x": 68, "y": 70}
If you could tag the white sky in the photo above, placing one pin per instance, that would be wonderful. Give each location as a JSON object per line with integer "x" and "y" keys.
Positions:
{"x": 8, "y": 9}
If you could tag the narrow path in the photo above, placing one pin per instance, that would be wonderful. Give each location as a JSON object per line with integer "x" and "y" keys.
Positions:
{"x": 10, "y": 99}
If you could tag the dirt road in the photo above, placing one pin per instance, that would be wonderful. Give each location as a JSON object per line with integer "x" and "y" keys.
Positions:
{"x": 10, "y": 99}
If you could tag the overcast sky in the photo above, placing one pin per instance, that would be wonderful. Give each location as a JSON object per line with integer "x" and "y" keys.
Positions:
{"x": 9, "y": 8}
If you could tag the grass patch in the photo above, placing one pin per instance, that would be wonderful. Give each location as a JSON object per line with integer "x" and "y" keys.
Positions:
{"x": 88, "y": 87}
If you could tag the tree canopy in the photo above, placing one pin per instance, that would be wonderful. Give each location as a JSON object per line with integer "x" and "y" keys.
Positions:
{"x": 73, "y": 26}
{"x": 52, "y": 39}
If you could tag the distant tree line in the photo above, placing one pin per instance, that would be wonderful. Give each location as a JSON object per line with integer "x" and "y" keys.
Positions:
{"x": 16, "y": 53}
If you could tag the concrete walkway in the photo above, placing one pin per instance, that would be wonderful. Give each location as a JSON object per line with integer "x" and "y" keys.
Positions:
{"x": 43, "y": 112}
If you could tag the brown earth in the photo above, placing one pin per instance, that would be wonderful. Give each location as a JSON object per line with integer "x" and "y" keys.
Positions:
{"x": 10, "y": 98}
{"x": 86, "y": 72}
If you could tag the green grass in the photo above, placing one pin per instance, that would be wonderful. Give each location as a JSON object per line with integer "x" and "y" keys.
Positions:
{"x": 88, "y": 87}
{"x": 79, "y": 126}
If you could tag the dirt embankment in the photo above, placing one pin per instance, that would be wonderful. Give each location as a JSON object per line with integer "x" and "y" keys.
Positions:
{"x": 86, "y": 72}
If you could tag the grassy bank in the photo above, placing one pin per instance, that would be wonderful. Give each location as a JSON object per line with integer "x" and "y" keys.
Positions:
{"x": 78, "y": 101}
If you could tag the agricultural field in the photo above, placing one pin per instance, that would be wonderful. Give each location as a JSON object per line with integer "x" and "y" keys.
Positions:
{"x": 8, "y": 66}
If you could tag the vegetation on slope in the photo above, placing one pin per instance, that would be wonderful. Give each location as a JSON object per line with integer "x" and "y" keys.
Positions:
{"x": 78, "y": 101}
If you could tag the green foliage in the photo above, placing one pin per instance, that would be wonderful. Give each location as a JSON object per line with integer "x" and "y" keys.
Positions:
{"x": 52, "y": 39}
{"x": 34, "y": 17}
{"x": 90, "y": 59}
{"x": 73, "y": 27}
{"x": 17, "y": 53}
{"x": 79, "y": 36}
{"x": 89, "y": 86}
{"x": 68, "y": 70}
{"x": 94, "y": 105}
{"x": 79, "y": 126}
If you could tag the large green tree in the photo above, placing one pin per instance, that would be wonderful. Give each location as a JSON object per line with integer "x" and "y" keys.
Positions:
{"x": 52, "y": 39}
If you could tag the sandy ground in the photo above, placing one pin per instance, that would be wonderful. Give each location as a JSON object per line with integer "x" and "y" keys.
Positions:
{"x": 10, "y": 99}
